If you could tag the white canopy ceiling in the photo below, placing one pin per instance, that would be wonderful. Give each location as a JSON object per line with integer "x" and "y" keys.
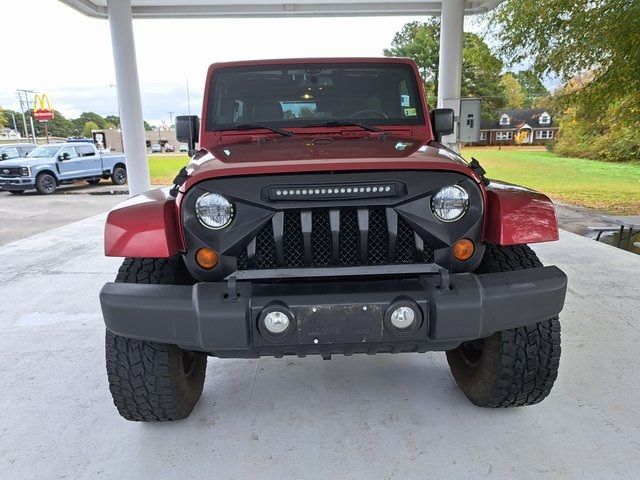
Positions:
{"x": 274, "y": 8}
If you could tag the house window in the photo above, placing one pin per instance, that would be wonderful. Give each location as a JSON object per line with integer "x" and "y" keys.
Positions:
{"x": 483, "y": 136}
{"x": 545, "y": 119}
{"x": 504, "y": 119}
{"x": 544, "y": 134}
{"x": 502, "y": 136}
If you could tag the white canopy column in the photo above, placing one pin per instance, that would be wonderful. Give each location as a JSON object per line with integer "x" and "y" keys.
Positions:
{"x": 129, "y": 101}
{"x": 450, "y": 63}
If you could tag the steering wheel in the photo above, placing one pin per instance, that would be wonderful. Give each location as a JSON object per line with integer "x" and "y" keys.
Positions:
{"x": 378, "y": 113}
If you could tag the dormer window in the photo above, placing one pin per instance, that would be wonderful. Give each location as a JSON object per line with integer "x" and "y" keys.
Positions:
{"x": 504, "y": 119}
{"x": 545, "y": 119}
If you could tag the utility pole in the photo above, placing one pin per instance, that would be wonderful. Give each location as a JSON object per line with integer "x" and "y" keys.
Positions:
{"x": 170, "y": 118}
{"x": 24, "y": 118}
{"x": 26, "y": 99}
{"x": 15, "y": 127}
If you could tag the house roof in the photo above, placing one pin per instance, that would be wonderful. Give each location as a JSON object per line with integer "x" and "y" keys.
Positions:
{"x": 519, "y": 117}
{"x": 276, "y": 8}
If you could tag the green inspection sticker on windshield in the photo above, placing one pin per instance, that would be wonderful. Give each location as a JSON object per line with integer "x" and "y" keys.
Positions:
{"x": 410, "y": 112}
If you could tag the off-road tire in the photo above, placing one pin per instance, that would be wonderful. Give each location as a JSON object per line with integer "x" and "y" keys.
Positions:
{"x": 150, "y": 381}
{"x": 513, "y": 367}
{"x": 119, "y": 175}
{"x": 94, "y": 181}
{"x": 46, "y": 184}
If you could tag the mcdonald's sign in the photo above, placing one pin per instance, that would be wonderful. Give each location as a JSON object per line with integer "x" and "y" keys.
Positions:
{"x": 42, "y": 110}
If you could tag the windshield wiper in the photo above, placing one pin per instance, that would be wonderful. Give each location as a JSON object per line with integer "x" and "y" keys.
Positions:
{"x": 345, "y": 123}
{"x": 251, "y": 126}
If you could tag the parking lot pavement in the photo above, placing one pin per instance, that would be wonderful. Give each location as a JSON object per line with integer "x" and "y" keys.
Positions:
{"x": 29, "y": 213}
{"x": 380, "y": 417}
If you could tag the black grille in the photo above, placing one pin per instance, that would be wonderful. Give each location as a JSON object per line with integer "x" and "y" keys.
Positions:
{"x": 360, "y": 237}
{"x": 10, "y": 171}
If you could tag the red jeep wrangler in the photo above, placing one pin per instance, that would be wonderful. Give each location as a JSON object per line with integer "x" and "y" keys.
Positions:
{"x": 321, "y": 215}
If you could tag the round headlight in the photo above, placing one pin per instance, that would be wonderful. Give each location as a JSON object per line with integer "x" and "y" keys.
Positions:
{"x": 214, "y": 211}
{"x": 450, "y": 203}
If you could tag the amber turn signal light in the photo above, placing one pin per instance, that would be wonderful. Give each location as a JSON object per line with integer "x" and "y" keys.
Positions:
{"x": 463, "y": 249}
{"x": 207, "y": 258}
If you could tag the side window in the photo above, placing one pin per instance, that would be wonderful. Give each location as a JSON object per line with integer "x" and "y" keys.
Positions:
{"x": 85, "y": 150}
{"x": 70, "y": 150}
{"x": 26, "y": 150}
{"x": 10, "y": 153}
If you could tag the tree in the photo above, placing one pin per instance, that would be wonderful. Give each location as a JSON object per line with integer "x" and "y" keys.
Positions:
{"x": 594, "y": 46}
{"x": 148, "y": 127}
{"x": 520, "y": 137}
{"x": 88, "y": 127}
{"x": 513, "y": 91}
{"x": 533, "y": 89}
{"x": 420, "y": 42}
{"x": 480, "y": 70}
{"x": 2, "y": 120}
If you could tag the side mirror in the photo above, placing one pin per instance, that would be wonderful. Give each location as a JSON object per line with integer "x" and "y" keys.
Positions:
{"x": 4, "y": 156}
{"x": 442, "y": 122}
{"x": 64, "y": 156}
{"x": 188, "y": 130}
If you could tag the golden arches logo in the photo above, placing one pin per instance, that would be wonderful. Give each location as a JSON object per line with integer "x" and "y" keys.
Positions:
{"x": 43, "y": 102}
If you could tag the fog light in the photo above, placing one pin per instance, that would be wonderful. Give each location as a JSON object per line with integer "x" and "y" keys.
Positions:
{"x": 276, "y": 322}
{"x": 403, "y": 317}
{"x": 463, "y": 249}
{"x": 207, "y": 258}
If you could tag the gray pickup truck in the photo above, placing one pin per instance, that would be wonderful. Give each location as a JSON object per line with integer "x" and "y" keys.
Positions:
{"x": 50, "y": 166}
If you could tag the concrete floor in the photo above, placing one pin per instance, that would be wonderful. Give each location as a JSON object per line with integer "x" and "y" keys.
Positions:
{"x": 29, "y": 213}
{"x": 379, "y": 417}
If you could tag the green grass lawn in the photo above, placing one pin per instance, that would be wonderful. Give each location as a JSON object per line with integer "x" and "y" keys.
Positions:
{"x": 164, "y": 168}
{"x": 614, "y": 187}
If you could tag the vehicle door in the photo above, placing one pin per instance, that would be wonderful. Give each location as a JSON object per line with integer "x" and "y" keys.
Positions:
{"x": 91, "y": 162}
{"x": 69, "y": 163}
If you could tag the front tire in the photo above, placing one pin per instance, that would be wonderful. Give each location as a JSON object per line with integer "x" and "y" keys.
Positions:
{"x": 150, "y": 381}
{"x": 46, "y": 184}
{"x": 513, "y": 367}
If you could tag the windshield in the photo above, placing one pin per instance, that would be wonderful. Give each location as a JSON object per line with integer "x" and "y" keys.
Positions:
{"x": 300, "y": 95}
{"x": 45, "y": 151}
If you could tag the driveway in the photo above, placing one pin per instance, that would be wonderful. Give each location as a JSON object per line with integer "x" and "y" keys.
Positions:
{"x": 29, "y": 213}
{"x": 374, "y": 417}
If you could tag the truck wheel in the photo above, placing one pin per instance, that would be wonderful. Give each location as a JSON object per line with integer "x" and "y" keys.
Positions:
{"x": 150, "y": 381}
{"x": 119, "y": 176}
{"x": 95, "y": 181}
{"x": 45, "y": 183}
{"x": 513, "y": 367}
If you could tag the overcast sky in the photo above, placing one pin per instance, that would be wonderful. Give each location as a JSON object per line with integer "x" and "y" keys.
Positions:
{"x": 67, "y": 55}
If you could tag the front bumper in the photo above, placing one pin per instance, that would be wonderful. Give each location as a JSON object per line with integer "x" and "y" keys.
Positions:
{"x": 333, "y": 317}
{"x": 17, "y": 183}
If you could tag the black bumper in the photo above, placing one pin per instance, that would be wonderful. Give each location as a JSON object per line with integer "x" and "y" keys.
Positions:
{"x": 333, "y": 317}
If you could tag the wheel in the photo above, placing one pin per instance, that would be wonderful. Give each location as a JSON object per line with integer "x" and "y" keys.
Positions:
{"x": 94, "y": 181}
{"x": 119, "y": 175}
{"x": 513, "y": 367}
{"x": 150, "y": 381}
{"x": 46, "y": 183}
{"x": 16, "y": 192}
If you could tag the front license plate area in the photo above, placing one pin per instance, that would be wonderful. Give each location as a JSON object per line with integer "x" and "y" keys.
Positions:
{"x": 349, "y": 323}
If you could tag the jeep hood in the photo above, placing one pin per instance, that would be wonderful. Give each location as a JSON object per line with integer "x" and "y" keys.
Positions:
{"x": 303, "y": 154}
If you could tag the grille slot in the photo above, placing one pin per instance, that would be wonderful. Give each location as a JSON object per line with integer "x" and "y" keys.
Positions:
{"x": 383, "y": 243}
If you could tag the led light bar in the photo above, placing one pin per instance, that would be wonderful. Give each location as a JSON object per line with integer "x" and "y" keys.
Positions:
{"x": 335, "y": 191}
